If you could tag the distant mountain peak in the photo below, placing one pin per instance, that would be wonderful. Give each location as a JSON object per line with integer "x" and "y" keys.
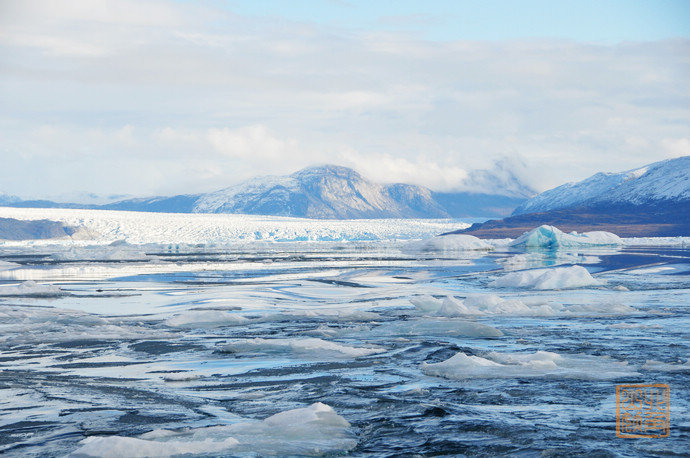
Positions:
{"x": 663, "y": 181}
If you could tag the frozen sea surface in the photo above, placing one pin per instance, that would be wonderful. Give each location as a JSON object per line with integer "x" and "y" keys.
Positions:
{"x": 359, "y": 345}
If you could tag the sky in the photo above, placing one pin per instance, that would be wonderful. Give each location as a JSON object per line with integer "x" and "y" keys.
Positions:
{"x": 139, "y": 97}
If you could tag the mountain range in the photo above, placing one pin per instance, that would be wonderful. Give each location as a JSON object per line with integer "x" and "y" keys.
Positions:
{"x": 323, "y": 192}
{"x": 653, "y": 200}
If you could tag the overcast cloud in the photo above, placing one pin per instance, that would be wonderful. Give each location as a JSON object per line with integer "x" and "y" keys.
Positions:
{"x": 149, "y": 97}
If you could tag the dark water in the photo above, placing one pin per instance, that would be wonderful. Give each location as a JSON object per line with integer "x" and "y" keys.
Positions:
{"x": 92, "y": 359}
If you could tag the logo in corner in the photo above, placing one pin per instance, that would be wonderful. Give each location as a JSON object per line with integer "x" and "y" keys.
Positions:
{"x": 642, "y": 410}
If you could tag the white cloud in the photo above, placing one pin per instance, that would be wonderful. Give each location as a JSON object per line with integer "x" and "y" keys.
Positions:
{"x": 188, "y": 98}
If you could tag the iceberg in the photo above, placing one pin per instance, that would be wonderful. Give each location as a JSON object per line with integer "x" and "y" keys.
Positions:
{"x": 554, "y": 278}
{"x": 551, "y": 237}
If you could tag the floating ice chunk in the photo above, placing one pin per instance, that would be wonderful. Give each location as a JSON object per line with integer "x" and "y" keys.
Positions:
{"x": 31, "y": 325}
{"x": 452, "y": 307}
{"x": 652, "y": 365}
{"x": 116, "y": 447}
{"x": 180, "y": 377}
{"x": 545, "y": 259}
{"x": 6, "y": 265}
{"x": 322, "y": 314}
{"x": 602, "y": 308}
{"x": 205, "y": 319}
{"x": 555, "y": 278}
{"x": 539, "y": 364}
{"x": 426, "y": 304}
{"x": 450, "y": 242}
{"x": 436, "y": 327}
{"x": 313, "y": 430}
{"x": 309, "y": 346}
{"x": 491, "y": 304}
{"x": 116, "y": 251}
{"x": 551, "y": 237}
{"x": 32, "y": 289}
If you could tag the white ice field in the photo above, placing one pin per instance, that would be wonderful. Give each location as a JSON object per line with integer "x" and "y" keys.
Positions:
{"x": 172, "y": 334}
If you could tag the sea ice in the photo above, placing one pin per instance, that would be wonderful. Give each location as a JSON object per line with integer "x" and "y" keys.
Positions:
{"x": 554, "y": 278}
{"x": 551, "y": 237}
{"x": 538, "y": 364}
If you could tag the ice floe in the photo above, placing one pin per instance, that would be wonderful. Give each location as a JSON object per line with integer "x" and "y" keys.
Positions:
{"x": 492, "y": 304}
{"x": 31, "y": 289}
{"x": 539, "y": 364}
{"x": 196, "y": 319}
{"x": 115, "y": 251}
{"x": 313, "y": 430}
{"x": 437, "y": 327}
{"x": 553, "y": 278}
{"x": 6, "y": 265}
{"x": 449, "y": 242}
{"x": 35, "y": 325}
{"x": 552, "y": 237}
{"x": 537, "y": 259}
{"x": 307, "y": 347}
{"x": 652, "y": 365}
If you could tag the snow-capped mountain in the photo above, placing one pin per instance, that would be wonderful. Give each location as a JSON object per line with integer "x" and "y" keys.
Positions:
{"x": 322, "y": 192}
{"x": 660, "y": 183}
